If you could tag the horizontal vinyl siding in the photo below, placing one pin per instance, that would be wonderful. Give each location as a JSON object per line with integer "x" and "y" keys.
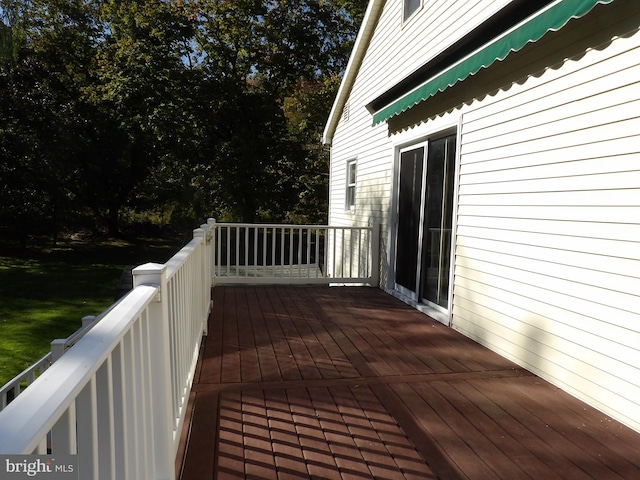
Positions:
{"x": 395, "y": 51}
{"x": 548, "y": 226}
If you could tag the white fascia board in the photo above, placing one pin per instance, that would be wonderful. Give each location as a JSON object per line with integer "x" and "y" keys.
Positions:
{"x": 355, "y": 60}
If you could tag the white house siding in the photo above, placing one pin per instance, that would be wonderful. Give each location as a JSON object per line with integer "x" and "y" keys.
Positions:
{"x": 394, "y": 52}
{"x": 548, "y": 226}
{"x": 397, "y": 50}
{"x": 547, "y": 249}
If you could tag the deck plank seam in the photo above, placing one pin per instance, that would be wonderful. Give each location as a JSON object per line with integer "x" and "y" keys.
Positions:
{"x": 361, "y": 380}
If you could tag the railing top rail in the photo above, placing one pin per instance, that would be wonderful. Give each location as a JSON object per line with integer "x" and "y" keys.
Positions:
{"x": 175, "y": 262}
{"x": 76, "y": 336}
{"x": 11, "y": 384}
{"x": 28, "y": 418}
{"x": 289, "y": 225}
{"x": 49, "y": 358}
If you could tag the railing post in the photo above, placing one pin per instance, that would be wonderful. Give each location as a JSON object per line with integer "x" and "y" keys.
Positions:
{"x": 204, "y": 283}
{"x": 87, "y": 320}
{"x": 58, "y": 347}
{"x": 214, "y": 248}
{"x": 161, "y": 403}
{"x": 375, "y": 254}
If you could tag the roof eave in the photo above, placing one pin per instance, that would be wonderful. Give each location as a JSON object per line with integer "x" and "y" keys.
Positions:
{"x": 355, "y": 60}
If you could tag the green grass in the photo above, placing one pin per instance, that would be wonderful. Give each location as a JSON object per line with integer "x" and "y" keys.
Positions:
{"x": 45, "y": 292}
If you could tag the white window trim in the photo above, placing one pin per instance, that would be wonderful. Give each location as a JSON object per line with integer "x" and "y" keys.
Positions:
{"x": 407, "y": 19}
{"x": 351, "y": 184}
{"x": 407, "y": 140}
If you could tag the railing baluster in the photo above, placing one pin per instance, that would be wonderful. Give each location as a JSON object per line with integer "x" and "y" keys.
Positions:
{"x": 105, "y": 424}
{"x": 228, "y": 250}
{"x": 299, "y": 271}
{"x": 308, "y": 235}
{"x": 334, "y": 248}
{"x": 63, "y": 434}
{"x": 87, "y": 428}
{"x": 144, "y": 369}
{"x": 246, "y": 251}
{"x": 360, "y": 253}
{"x": 274, "y": 236}
{"x": 121, "y": 449}
{"x": 291, "y": 234}
{"x": 369, "y": 247}
{"x": 219, "y": 248}
{"x": 237, "y": 229}
{"x": 140, "y": 408}
{"x": 282, "y": 240}
{"x": 131, "y": 406}
{"x": 350, "y": 252}
{"x": 264, "y": 248}
{"x": 342, "y": 251}
{"x": 175, "y": 290}
{"x": 317, "y": 263}
{"x": 255, "y": 251}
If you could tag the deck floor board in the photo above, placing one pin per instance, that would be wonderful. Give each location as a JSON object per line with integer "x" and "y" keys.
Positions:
{"x": 351, "y": 383}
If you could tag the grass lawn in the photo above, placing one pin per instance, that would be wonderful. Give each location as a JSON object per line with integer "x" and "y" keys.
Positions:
{"x": 45, "y": 292}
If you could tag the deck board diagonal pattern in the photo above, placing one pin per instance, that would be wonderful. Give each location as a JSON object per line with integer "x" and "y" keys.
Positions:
{"x": 350, "y": 383}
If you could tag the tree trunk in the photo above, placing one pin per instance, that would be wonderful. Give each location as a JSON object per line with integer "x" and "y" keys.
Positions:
{"x": 113, "y": 222}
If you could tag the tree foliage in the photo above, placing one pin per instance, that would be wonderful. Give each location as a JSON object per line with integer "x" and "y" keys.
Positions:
{"x": 178, "y": 108}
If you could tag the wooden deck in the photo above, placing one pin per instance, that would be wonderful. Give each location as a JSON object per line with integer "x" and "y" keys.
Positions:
{"x": 350, "y": 383}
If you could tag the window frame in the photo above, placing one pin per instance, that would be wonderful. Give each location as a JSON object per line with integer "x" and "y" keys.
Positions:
{"x": 350, "y": 185}
{"x": 406, "y": 16}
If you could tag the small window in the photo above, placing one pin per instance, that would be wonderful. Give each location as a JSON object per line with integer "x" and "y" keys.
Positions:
{"x": 410, "y": 7}
{"x": 351, "y": 185}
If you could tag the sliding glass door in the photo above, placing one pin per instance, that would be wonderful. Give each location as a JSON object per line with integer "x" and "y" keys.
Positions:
{"x": 424, "y": 220}
{"x": 409, "y": 218}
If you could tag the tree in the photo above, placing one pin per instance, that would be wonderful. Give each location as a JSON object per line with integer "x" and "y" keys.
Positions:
{"x": 261, "y": 58}
{"x": 34, "y": 136}
{"x": 196, "y": 107}
{"x": 137, "y": 82}
{"x": 113, "y": 72}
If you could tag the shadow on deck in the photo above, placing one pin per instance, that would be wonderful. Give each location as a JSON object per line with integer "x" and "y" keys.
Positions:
{"x": 319, "y": 382}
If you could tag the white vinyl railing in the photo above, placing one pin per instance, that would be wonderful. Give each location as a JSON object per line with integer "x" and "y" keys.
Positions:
{"x": 116, "y": 392}
{"x": 295, "y": 254}
{"x": 16, "y": 386}
{"x": 118, "y": 397}
{"x": 20, "y": 382}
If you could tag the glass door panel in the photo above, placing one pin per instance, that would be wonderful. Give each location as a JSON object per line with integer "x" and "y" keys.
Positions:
{"x": 409, "y": 210}
{"x": 438, "y": 219}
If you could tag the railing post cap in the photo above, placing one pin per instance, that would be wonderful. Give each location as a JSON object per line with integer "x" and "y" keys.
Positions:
{"x": 211, "y": 221}
{"x": 87, "y": 320}
{"x": 198, "y": 232}
{"x": 149, "y": 274}
{"x": 58, "y": 347}
{"x": 149, "y": 269}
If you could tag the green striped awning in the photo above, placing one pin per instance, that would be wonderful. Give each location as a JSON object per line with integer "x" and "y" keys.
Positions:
{"x": 531, "y": 30}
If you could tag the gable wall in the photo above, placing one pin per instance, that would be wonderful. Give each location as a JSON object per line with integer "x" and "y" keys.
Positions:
{"x": 395, "y": 50}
